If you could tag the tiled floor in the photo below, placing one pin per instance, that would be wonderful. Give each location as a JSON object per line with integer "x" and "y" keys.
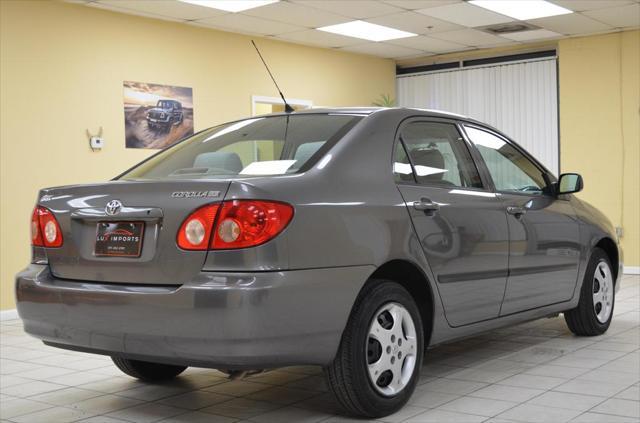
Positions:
{"x": 535, "y": 372}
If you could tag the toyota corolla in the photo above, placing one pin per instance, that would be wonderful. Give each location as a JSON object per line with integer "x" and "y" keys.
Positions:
{"x": 351, "y": 239}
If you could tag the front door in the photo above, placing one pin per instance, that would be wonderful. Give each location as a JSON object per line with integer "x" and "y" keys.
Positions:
{"x": 462, "y": 227}
{"x": 544, "y": 233}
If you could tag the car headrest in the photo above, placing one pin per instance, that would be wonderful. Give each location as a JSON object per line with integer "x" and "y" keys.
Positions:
{"x": 219, "y": 160}
{"x": 305, "y": 151}
{"x": 431, "y": 158}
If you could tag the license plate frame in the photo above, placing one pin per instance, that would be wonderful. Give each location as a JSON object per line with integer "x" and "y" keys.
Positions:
{"x": 119, "y": 239}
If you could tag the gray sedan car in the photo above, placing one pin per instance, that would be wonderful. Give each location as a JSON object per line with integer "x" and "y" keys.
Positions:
{"x": 351, "y": 239}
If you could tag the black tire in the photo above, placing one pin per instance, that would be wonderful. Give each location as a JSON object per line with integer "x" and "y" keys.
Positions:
{"x": 147, "y": 371}
{"x": 347, "y": 376}
{"x": 582, "y": 320}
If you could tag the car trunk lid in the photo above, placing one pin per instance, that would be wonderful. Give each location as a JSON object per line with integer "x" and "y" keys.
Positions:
{"x": 99, "y": 238}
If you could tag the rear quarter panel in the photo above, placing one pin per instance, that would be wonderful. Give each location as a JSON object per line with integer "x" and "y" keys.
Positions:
{"x": 348, "y": 210}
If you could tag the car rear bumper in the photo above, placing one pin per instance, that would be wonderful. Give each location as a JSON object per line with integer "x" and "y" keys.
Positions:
{"x": 222, "y": 320}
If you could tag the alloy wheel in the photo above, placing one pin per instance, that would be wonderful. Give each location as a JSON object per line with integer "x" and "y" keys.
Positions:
{"x": 603, "y": 292}
{"x": 391, "y": 349}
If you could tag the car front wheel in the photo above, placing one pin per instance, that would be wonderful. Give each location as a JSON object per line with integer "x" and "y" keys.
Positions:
{"x": 378, "y": 363}
{"x": 597, "y": 298}
{"x": 147, "y": 371}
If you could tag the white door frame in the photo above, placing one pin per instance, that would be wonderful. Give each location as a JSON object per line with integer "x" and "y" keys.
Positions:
{"x": 307, "y": 104}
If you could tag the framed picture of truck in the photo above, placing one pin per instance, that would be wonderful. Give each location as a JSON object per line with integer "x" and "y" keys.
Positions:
{"x": 155, "y": 115}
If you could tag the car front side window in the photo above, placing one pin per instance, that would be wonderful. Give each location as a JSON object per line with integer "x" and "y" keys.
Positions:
{"x": 510, "y": 170}
{"x": 437, "y": 156}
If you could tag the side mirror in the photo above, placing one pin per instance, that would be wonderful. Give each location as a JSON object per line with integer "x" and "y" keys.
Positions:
{"x": 569, "y": 183}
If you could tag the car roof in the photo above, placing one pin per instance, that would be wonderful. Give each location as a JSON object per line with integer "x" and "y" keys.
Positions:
{"x": 371, "y": 110}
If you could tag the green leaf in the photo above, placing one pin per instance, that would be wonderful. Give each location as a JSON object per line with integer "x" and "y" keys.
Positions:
{"x": 384, "y": 100}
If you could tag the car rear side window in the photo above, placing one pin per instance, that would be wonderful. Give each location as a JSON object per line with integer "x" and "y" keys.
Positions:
{"x": 272, "y": 145}
{"x": 510, "y": 170}
{"x": 437, "y": 155}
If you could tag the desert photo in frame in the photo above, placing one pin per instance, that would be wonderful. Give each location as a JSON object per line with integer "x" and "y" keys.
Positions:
{"x": 156, "y": 116}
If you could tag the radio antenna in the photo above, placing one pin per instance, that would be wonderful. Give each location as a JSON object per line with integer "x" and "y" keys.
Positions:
{"x": 287, "y": 107}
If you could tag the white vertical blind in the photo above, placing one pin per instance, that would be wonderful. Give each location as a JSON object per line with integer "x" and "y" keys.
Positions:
{"x": 520, "y": 99}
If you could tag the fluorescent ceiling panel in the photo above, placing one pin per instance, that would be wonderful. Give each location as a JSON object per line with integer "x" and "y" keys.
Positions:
{"x": 367, "y": 31}
{"x": 230, "y": 5}
{"x": 522, "y": 9}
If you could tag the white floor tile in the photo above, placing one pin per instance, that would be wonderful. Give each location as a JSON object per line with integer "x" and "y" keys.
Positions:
{"x": 619, "y": 407}
{"x": 539, "y": 414}
{"x": 567, "y": 400}
{"x": 442, "y": 416}
{"x": 478, "y": 406}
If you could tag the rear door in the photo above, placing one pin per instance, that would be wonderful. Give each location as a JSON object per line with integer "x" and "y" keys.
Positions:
{"x": 462, "y": 226}
{"x": 544, "y": 233}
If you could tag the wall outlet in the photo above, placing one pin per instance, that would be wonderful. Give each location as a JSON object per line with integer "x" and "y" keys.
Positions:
{"x": 96, "y": 143}
{"x": 619, "y": 232}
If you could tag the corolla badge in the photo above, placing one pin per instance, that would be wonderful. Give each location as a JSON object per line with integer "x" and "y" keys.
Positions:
{"x": 113, "y": 207}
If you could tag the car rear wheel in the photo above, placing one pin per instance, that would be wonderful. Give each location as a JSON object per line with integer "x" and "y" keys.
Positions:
{"x": 147, "y": 371}
{"x": 378, "y": 363}
{"x": 597, "y": 297}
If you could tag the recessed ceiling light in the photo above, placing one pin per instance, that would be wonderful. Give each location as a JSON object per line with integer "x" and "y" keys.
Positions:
{"x": 231, "y": 5}
{"x": 367, "y": 31}
{"x": 522, "y": 9}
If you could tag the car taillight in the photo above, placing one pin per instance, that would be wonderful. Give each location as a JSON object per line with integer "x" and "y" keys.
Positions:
{"x": 45, "y": 230}
{"x": 195, "y": 232}
{"x": 234, "y": 224}
{"x": 248, "y": 223}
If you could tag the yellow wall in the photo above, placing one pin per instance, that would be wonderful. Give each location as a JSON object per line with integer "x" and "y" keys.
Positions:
{"x": 600, "y": 126}
{"x": 62, "y": 68}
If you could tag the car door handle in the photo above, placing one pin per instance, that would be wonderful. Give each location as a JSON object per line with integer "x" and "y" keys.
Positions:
{"x": 426, "y": 206}
{"x": 516, "y": 211}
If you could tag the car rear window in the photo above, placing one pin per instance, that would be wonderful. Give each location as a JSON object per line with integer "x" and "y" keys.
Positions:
{"x": 273, "y": 145}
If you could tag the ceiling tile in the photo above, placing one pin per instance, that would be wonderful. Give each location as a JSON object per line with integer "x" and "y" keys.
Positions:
{"x": 385, "y": 50}
{"x": 357, "y": 9}
{"x": 420, "y": 4}
{"x": 465, "y": 14}
{"x": 248, "y": 24}
{"x": 536, "y": 34}
{"x": 429, "y": 44}
{"x": 170, "y": 9}
{"x": 414, "y": 22}
{"x": 620, "y": 17}
{"x": 131, "y": 11}
{"x": 582, "y": 5}
{"x": 471, "y": 37}
{"x": 319, "y": 38}
{"x": 574, "y": 23}
{"x": 298, "y": 14}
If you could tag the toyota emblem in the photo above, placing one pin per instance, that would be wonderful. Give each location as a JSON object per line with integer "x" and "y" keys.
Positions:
{"x": 113, "y": 207}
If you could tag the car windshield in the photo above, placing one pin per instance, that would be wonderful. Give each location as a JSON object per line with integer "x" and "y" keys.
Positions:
{"x": 274, "y": 145}
{"x": 164, "y": 104}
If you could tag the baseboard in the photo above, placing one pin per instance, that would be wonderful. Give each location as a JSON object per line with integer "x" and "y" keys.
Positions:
{"x": 631, "y": 270}
{"x": 8, "y": 314}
